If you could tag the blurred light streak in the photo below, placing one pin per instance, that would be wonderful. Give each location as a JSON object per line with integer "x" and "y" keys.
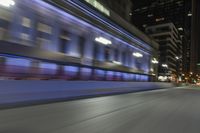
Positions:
{"x": 7, "y": 3}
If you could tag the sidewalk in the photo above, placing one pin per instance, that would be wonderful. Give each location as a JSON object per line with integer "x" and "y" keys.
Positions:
{"x": 16, "y": 93}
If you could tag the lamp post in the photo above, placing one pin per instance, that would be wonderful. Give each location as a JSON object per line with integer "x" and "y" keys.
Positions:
{"x": 154, "y": 70}
{"x": 178, "y": 61}
{"x": 164, "y": 67}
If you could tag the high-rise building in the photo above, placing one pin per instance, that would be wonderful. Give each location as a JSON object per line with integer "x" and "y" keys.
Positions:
{"x": 195, "y": 47}
{"x": 170, "y": 57}
{"x": 151, "y": 12}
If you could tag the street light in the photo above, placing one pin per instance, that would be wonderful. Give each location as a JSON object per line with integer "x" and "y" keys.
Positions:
{"x": 117, "y": 62}
{"x": 7, "y": 3}
{"x": 177, "y": 57}
{"x": 180, "y": 29}
{"x": 165, "y": 65}
{"x": 137, "y": 54}
{"x": 154, "y": 61}
{"x": 103, "y": 40}
{"x": 189, "y": 14}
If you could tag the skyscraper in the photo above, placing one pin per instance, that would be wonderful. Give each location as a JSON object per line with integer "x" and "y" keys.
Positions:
{"x": 178, "y": 12}
{"x": 195, "y": 47}
{"x": 170, "y": 59}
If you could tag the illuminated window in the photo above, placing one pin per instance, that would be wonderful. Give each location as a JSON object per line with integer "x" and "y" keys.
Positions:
{"x": 99, "y": 6}
{"x": 5, "y": 14}
{"x": 2, "y": 33}
{"x": 25, "y": 36}
{"x": 160, "y": 19}
{"x": 44, "y": 28}
{"x": 26, "y": 22}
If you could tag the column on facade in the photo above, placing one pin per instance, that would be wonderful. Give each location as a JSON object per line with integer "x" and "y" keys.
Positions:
{"x": 148, "y": 62}
{"x": 33, "y": 31}
{"x": 113, "y": 51}
{"x": 55, "y": 46}
{"x": 123, "y": 54}
{"x": 71, "y": 49}
{"x": 108, "y": 75}
{"x": 15, "y": 26}
{"x": 73, "y": 45}
{"x": 89, "y": 46}
{"x": 145, "y": 63}
{"x": 133, "y": 60}
{"x": 87, "y": 57}
{"x": 111, "y": 54}
{"x": 55, "y": 43}
{"x": 99, "y": 50}
{"x": 128, "y": 58}
{"x": 119, "y": 53}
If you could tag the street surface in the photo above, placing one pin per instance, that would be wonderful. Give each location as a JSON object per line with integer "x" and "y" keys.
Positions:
{"x": 160, "y": 111}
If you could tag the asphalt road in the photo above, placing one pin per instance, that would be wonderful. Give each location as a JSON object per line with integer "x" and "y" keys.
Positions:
{"x": 160, "y": 111}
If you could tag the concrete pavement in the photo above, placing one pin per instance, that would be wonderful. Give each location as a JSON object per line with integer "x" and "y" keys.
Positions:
{"x": 159, "y": 111}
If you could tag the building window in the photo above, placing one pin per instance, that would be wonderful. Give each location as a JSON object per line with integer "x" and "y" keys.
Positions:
{"x": 26, "y": 22}
{"x": 5, "y": 18}
{"x": 64, "y": 39}
{"x": 25, "y": 36}
{"x": 44, "y": 28}
{"x": 3, "y": 32}
{"x": 5, "y": 14}
{"x": 98, "y": 6}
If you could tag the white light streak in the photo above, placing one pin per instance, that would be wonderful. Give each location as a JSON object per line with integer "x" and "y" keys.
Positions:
{"x": 137, "y": 54}
{"x": 103, "y": 40}
{"x": 7, "y": 3}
